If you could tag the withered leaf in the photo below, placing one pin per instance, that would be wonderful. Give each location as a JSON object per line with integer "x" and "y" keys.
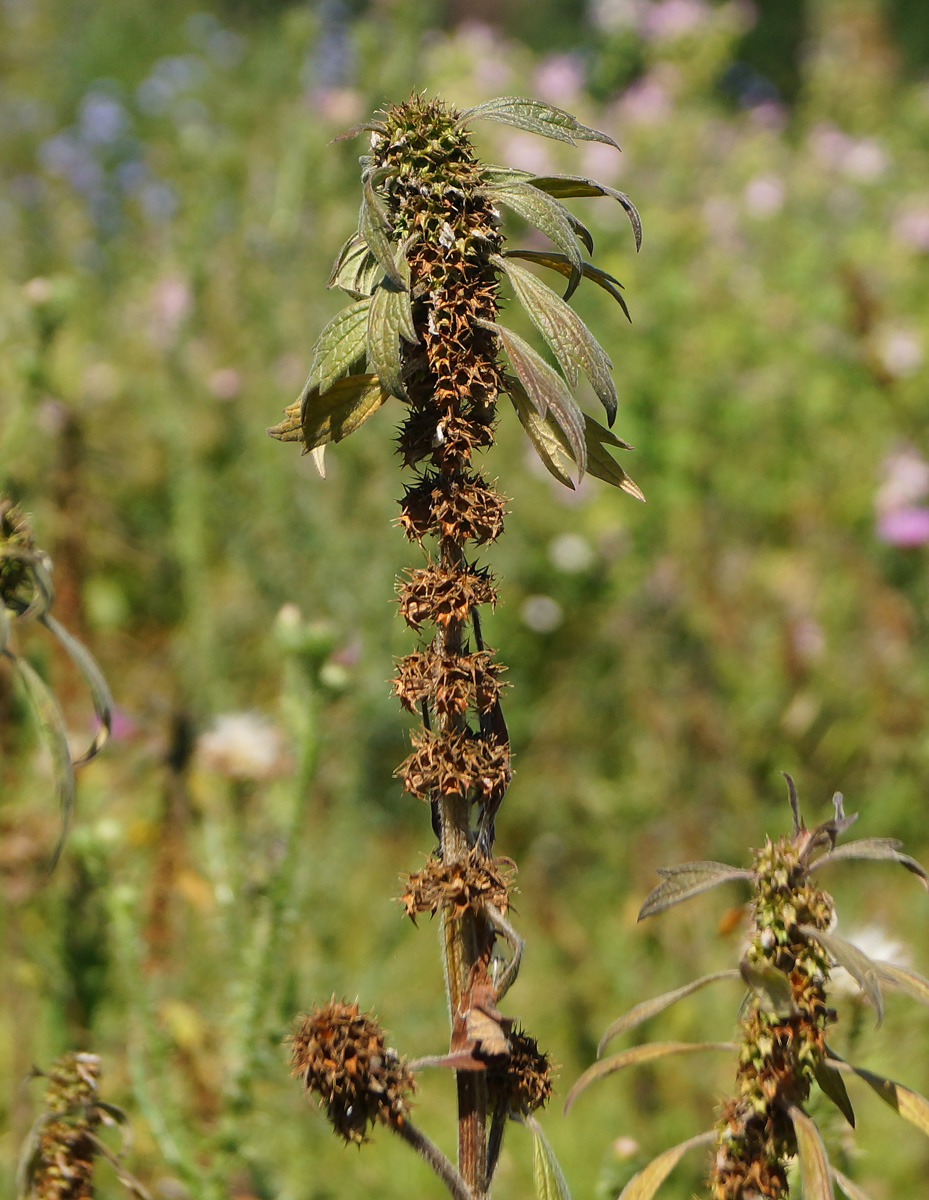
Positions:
{"x": 907, "y": 981}
{"x": 833, "y": 1085}
{"x": 374, "y": 228}
{"x": 770, "y": 987}
{"x": 317, "y": 420}
{"x": 547, "y": 1175}
{"x": 875, "y": 849}
{"x": 54, "y": 734}
{"x": 93, "y": 677}
{"x": 851, "y": 1190}
{"x": 910, "y": 1105}
{"x": 603, "y": 465}
{"x": 390, "y": 318}
{"x": 356, "y": 270}
{"x": 547, "y": 438}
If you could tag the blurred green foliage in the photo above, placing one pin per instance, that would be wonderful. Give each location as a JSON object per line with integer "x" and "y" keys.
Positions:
{"x": 170, "y": 211}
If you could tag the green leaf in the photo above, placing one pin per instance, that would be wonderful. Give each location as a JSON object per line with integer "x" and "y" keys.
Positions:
{"x": 907, "y": 981}
{"x": 52, "y": 730}
{"x": 93, "y": 677}
{"x": 603, "y": 465}
{"x": 549, "y": 442}
{"x": 688, "y": 879}
{"x": 356, "y": 270}
{"x": 910, "y": 1105}
{"x": 851, "y": 1190}
{"x": 343, "y": 409}
{"x": 770, "y": 987}
{"x": 875, "y": 849}
{"x": 833, "y": 1086}
{"x": 864, "y": 972}
{"x": 4, "y": 631}
{"x": 390, "y": 318}
{"x": 535, "y": 117}
{"x": 647, "y": 1182}
{"x": 340, "y": 345}
{"x": 563, "y": 187}
{"x": 572, "y": 343}
{"x": 635, "y": 1055}
{"x": 374, "y": 229}
{"x": 547, "y": 1175}
{"x": 815, "y": 1172}
{"x": 562, "y": 264}
{"x": 650, "y": 1008}
{"x": 547, "y": 215}
{"x": 546, "y": 390}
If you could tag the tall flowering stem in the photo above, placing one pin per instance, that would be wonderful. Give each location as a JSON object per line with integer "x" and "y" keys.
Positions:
{"x": 425, "y": 270}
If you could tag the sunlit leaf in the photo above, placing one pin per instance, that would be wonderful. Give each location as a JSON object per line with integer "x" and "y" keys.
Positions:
{"x": 910, "y": 1105}
{"x": 546, "y": 390}
{"x": 547, "y": 215}
{"x": 770, "y": 986}
{"x": 93, "y": 677}
{"x": 602, "y": 464}
{"x": 906, "y": 980}
{"x": 875, "y": 849}
{"x": 562, "y": 264}
{"x": 340, "y": 345}
{"x": 572, "y": 343}
{"x": 563, "y": 187}
{"x": 549, "y": 442}
{"x": 356, "y": 270}
{"x": 547, "y": 1175}
{"x": 864, "y": 972}
{"x": 125, "y": 1177}
{"x": 814, "y": 1165}
{"x": 52, "y": 730}
{"x": 536, "y": 117}
{"x": 833, "y": 1086}
{"x": 390, "y": 318}
{"x": 636, "y": 1055}
{"x": 650, "y": 1008}
{"x": 374, "y": 228}
{"x": 688, "y": 879}
{"x": 646, "y": 1183}
{"x": 316, "y": 420}
{"x": 851, "y": 1189}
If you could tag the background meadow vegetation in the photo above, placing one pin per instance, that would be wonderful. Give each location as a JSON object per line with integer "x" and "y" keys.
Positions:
{"x": 169, "y": 213}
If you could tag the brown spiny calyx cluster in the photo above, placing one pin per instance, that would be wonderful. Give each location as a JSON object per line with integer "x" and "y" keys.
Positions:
{"x": 782, "y": 1051}
{"x": 454, "y": 683}
{"x": 62, "y": 1160}
{"x": 340, "y": 1054}
{"x": 17, "y": 550}
{"x": 456, "y": 764}
{"x": 459, "y": 887}
{"x": 523, "y": 1082}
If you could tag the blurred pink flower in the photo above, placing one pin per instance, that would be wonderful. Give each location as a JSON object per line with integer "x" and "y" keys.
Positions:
{"x": 901, "y": 519}
{"x": 600, "y": 161}
{"x": 527, "y": 153}
{"x": 648, "y": 100}
{"x": 764, "y": 195}
{"x": 864, "y": 159}
{"x": 911, "y": 228}
{"x": 170, "y": 303}
{"x": 558, "y": 79}
{"x": 900, "y": 352}
{"x": 905, "y": 527}
{"x": 672, "y": 18}
{"x": 225, "y": 383}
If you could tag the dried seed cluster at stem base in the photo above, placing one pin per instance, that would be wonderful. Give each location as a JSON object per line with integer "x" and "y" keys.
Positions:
{"x": 459, "y": 886}
{"x": 780, "y": 1055}
{"x": 523, "y": 1081}
{"x": 64, "y": 1159}
{"x": 340, "y": 1054}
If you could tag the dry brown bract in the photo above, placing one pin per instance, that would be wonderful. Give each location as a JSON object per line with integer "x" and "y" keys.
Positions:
{"x": 455, "y": 764}
{"x": 459, "y": 886}
{"x": 443, "y": 595}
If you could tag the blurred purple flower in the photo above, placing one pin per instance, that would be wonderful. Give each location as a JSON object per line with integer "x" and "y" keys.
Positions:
{"x": 911, "y": 228}
{"x": 905, "y": 527}
{"x": 648, "y": 100}
{"x": 559, "y": 79}
{"x": 669, "y": 19}
{"x": 600, "y": 161}
{"x": 863, "y": 159}
{"x": 102, "y": 119}
{"x": 65, "y": 155}
{"x": 159, "y": 201}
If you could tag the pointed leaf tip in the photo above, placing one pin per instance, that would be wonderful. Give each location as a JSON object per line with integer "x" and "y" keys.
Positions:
{"x": 646, "y": 1183}
{"x": 536, "y": 117}
{"x": 814, "y": 1165}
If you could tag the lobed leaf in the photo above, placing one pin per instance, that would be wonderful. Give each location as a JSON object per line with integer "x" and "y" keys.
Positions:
{"x": 550, "y": 1183}
{"x": 770, "y": 987}
{"x": 390, "y": 318}
{"x": 564, "y": 187}
{"x": 356, "y": 270}
{"x": 330, "y": 418}
{"x": 650, "y": 1008}
{"x": 851, "y": 1190}
{"x": 603, "y": 465}
{"x": 562, "y": 264}
{"x": 688, "y": 879}
{"x": 647, "y": 1182}
{"x": 53, "y": 732}
{"x": 815, "y": 1171}
{"x": 875, "y": 849}
{"x": 635, "y": 1055}
{"x": 546, "y": 390}
{"x": 340, "y": 345}
{"x": 864, "y": 972}
{"x": 535, "y": 117}
{"x": 572, "y": 343}
{"x": 832, "y": 1085}
{"x": 374, "y": 229}
{"x": 547, "y": 215}
{"x": 910, "y": 1105}
{"x": 99, "y": 688}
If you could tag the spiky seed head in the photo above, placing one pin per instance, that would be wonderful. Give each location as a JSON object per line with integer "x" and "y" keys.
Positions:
{"x": 460, "y": 887}
{"x": 523, "y": 1081}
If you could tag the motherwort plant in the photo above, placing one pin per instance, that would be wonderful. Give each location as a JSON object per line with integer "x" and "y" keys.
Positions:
{"x": 784, "y": 1019}
{"x": 423, "y": 334}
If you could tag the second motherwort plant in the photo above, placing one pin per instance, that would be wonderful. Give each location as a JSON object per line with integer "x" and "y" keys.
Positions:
{"x": 784, "y": 1019}
{"x": 423, "y": 334}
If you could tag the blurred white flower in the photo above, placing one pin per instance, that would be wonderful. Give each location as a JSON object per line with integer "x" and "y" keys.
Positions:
{"x": 614, "y": 15}
{"x": 242, "y": 746}
{"x": 911, "y": 228}
{"x": 876, "y": 943}
{"x": 865, "y": 160}
{"x": 569, "y": 552}
{"x": 900, "y": 352}
{"x": 625, "y": 1147}
{"x": 764, "y": 195}
{"x": 541, "y": 614}
{"x": 904, "y": 479}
